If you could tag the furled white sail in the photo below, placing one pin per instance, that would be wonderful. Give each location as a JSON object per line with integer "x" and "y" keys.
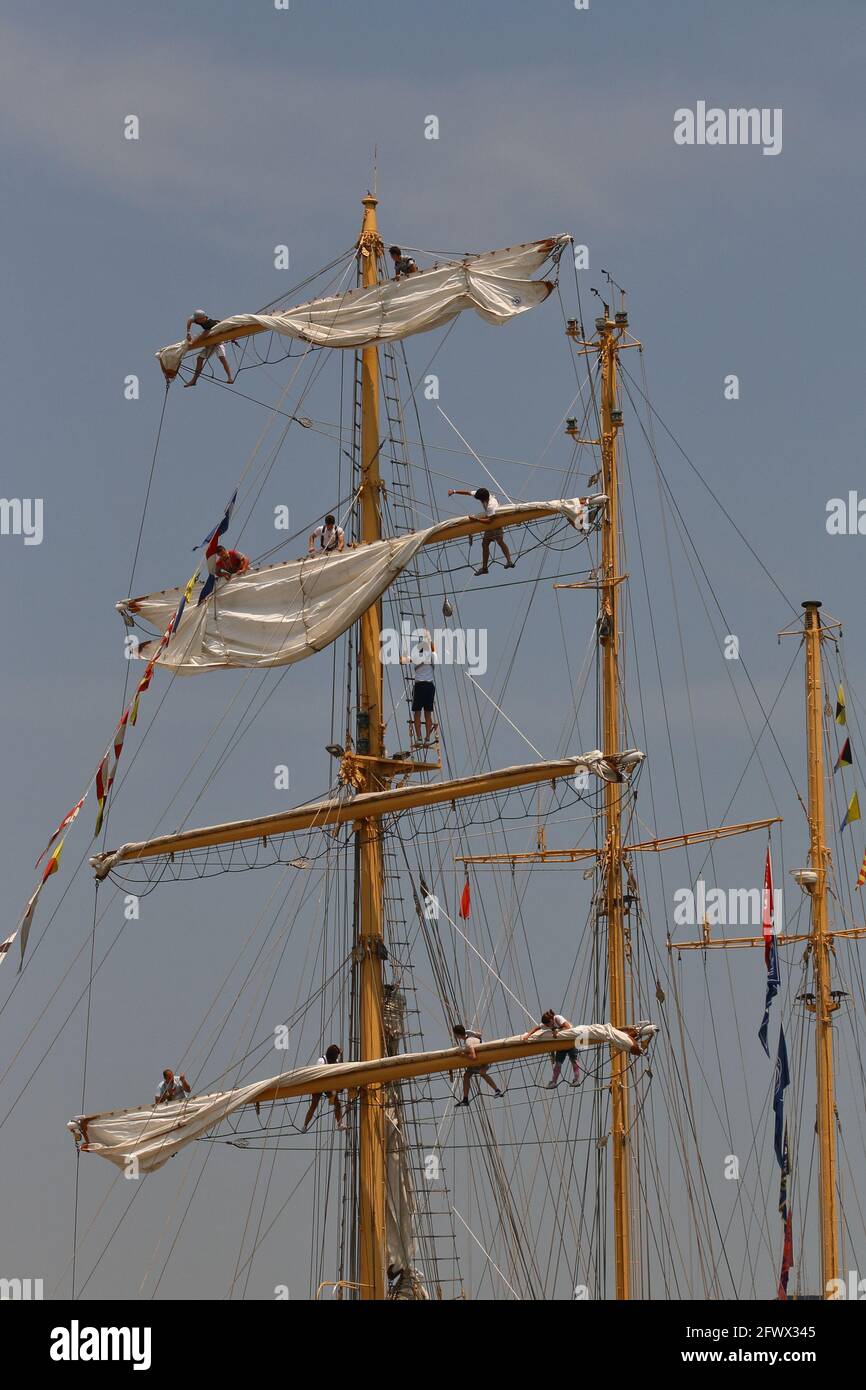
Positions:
{"x": 497, "y": 285}
{"x": 145, "y": 1138}
{"x": 283, "y": 613}
{"x": 400, "y": 1243}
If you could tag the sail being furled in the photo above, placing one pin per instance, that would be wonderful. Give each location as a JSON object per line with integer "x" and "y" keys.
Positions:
{"x": 147, "y": 1137}
{"x": 283, "y": 613}
{"x": 497, "y": 285}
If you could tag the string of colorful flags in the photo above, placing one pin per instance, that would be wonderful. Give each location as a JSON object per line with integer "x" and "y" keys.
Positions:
{"x": 846, "y": 759}
{"x": 106, "y": 771}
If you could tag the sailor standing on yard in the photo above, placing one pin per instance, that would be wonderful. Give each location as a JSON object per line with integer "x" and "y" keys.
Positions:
{"x": 466, "y": 1040}
{"x": 332, "y": 1055}
{"x": 206, "y": 324}
{"x": 491, "y": 507}
{"x": 551, "y": 1023}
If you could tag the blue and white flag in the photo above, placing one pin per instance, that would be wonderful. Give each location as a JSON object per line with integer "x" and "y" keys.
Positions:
{"x": 210, "y": 541}
{"x": 773, "y": 982}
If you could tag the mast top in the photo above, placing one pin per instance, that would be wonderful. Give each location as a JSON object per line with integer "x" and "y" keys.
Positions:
{"x": 811, "y": 603}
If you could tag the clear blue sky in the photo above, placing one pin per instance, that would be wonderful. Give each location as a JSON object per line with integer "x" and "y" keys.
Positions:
{"x": 258, "y": 128}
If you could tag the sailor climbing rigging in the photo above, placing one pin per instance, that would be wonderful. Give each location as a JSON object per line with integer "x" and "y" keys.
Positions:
{"x": 422, "y": 658}
{"x": 201, "y": 319}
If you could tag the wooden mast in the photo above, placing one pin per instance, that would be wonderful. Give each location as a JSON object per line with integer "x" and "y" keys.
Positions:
{"x": 369, "y": 945}
{"x": 612, "y": 868}
{"x": 824, "y": 1005}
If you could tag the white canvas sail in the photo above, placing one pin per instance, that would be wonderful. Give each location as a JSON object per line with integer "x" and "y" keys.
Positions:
{"x": 497, "y": 285}
{"x": 283, "y": 613}
{"x": 400, "y": 1243}
{"x": 148, "y": 1136}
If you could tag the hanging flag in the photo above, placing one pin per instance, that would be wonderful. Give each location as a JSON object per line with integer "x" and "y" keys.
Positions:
{"x": 211, "y": 541}
{"x": 464, "y": 900}
{"x": 27, "y": 920}
{"x": 25, "y": 924}
{"x": 53, "y": 863}
{"x": 861, "y": 877}
{"x": 787, "y": 1259}
{"x": 773, "y": 983}
{"x": 223, "y": 526}
{"x": 107, "y": 769}
{"x": 783, "y": 1078}
{"x": 844, "y": 759}
{"x": 841, "y": 713}
{"x": 6, "y": 945}
{"x": 187, "y": 595}
{"x": 783, "y": 1182}
{"x": 768, "y": 903}
{"x": 67, "y": 820}
{"x": 143, "y": 685}
{"x": 853, "y": 812}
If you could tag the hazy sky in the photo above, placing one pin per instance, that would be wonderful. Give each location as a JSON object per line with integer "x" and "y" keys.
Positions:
{"x": 257, "y": 128}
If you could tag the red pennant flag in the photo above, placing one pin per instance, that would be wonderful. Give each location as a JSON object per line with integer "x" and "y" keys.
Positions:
{"x": 464, "y": 900}
{"x": 53, "y": 863}
{"x": 143, "y": 685}
{"x": 768, "y": 908}
{"x": 27, "y": 920}
{"x": 861, "y": 877}
{"x": 105, "y": 773}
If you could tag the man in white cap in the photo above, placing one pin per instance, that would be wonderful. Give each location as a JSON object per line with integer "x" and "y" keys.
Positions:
{"x": 206, "y": 324}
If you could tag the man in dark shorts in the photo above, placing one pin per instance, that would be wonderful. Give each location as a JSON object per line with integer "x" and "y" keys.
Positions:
{"x": 422, "y": 658}
{"x": 490, "y": 506}
{"x": 551, "y": 1023}
{"x": 202, "y": 321}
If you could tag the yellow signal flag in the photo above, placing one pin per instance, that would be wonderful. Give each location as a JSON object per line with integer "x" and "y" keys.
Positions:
{"x": 853, "y": 812}
{"x": 841, "y": 714}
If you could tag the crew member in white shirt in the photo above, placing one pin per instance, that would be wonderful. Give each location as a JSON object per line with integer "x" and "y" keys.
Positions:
{"x": 466, "y": 1041}
{"x": 172, "y": 1088}
{"x": 422, "y": 659}
{"x": 552, "y": 1023}
{"x": 328, "y": 538}
{"x": 333, "y": 1054}
{"x": 490, "y": 507}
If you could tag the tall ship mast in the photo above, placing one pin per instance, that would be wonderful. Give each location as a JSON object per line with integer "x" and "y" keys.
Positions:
{"x": 422, "y": 913}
